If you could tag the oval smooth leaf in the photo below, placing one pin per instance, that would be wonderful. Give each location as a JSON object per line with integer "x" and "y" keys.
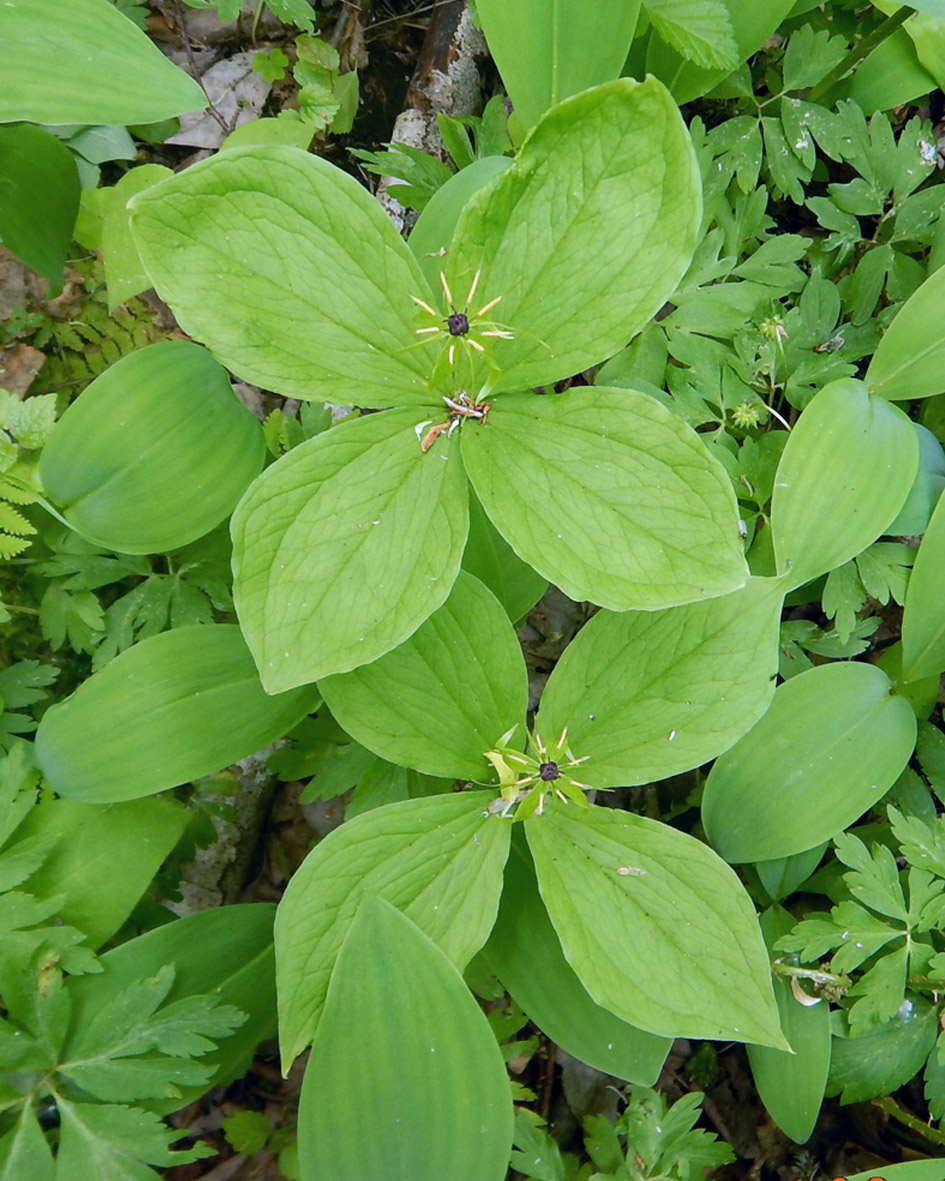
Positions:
{"x": 154, "y": 453}
{"x": 430, "y": 238}
{"x": 833, "y": 742}
{"x": 791, "y": 1086}
{"x": 915, "y": 514}
{"x": 104, "y": 858}
{"x": 442, "y": 698}
{"x": 115, "y": 74}
{"x": 525, "y": 953}
{"x": 324, "y": 577}
{"x": 887, "y": 1057}
{"x": 438, "y": 859}
{"x": 845, "y": 473}
{"x": 909, "y": 361}
{"x": 923, "y": 617}
{"x": 39, "y": 198}
{"x": 438, "y": 1104}
{"x": 291, "y": 274}
{"x": 546, "y": 53}
{"x": 635, "y": 511}
{"x": 492, "y": 560}
{"x": 647, "y": 694}
{"x": 171, "y": 709}
{"x": 657, "y": 927}
{"x": 610, "y": 175}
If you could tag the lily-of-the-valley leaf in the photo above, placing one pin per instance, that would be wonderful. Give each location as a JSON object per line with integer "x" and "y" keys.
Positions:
{"x": 438, "y": 1102}
{"x": 170, "y": 709}
{"x": 657, "y": 927}
{"x": 833, "y": 742}
{"x": 647, "y": 694}
{"x": 635, "y": 512}
{"x": 438, "y": 859}
{"x": 845, "y": 473}
{"x": 324, "y": 580}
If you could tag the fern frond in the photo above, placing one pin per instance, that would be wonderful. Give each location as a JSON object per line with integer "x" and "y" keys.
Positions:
{"x": 11, "y": 547}
{"x": 16, "y": 493}
{"x": 13, "y": 521}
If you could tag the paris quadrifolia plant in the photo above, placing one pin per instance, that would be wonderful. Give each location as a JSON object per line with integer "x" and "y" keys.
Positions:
{"x": 361, "y": 559}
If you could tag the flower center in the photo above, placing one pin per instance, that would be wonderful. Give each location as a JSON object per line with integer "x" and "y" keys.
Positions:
{"x": 457, "y": 324}
{"x": 548, "y": 771}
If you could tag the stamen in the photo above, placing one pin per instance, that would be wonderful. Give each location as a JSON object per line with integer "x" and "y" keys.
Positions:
{"x": 472, "y": 290}
{"x": 489, "y": 306}
{"x": 474, "y": 344}
{"x": 502, "y": 335}
{"x": 423, "y": 331}
{"x": 446, "y": 290}
{"x": 426, "y": 307}
{"x": 452, "y": 352}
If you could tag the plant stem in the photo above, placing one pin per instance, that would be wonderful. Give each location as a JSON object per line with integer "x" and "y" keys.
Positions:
{"x": 812, "y": 974}
{"x": 891, "y": 1107}
{"x": 859, "y": 52}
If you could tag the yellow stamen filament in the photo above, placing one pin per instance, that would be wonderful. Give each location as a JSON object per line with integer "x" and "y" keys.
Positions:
{"x": 502, "y": 335}
{"x": 446, "y": 289}
{"x": 452, "y": 353}
{"x": 426, "y": 307}
{"x": 474, "y": 344}
{"x": 489, "y": 306}
{"x": 472, "y": 290}
{"x": 421, "y": 331}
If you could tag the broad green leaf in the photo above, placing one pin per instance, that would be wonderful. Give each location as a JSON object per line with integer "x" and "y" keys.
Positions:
{"x": 909, "y": 361}
{"x": 438, "y": 859}
{"x": 923, "y": 618}
{"x": 430, "y": 238}
{"x": 890, "y": 76}
{"x": 844, "y": 475}
{"x": 104, "y": 859}
{"x": 609, "y": 175}
{"x": 782, "y": 875}
{"x": 86, "y": 63}
{"x": 39, "y": 196}
{"x": 657, "y": 927}
{"x": 346, "y": 545}
{"x": 635, "y": 512}
{"x": 751, "y": 23}
{"x": 168, "y": 710}
{"x": 929, "y": 1169}
{"x": 125, "y": 275}
{"x": 915, "y": 514}
{"x": 832, "y": 744}
{"x": 492, "y": 560}
{"x": 226, "y": 952}
{"x": 291, "y": 273}
{"x": 25, "y": 1154}
{"x": 791, "y": 1086}
{"x": 438, "y": 1103}
{"x": 547, "y": 52}
{"x": 887, "y": 1057}
{"x": 154, "y": 453}
{"x": 445, "y": 696}
{"x": 647, "y": 694}
{"x": 525, "y": 953}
